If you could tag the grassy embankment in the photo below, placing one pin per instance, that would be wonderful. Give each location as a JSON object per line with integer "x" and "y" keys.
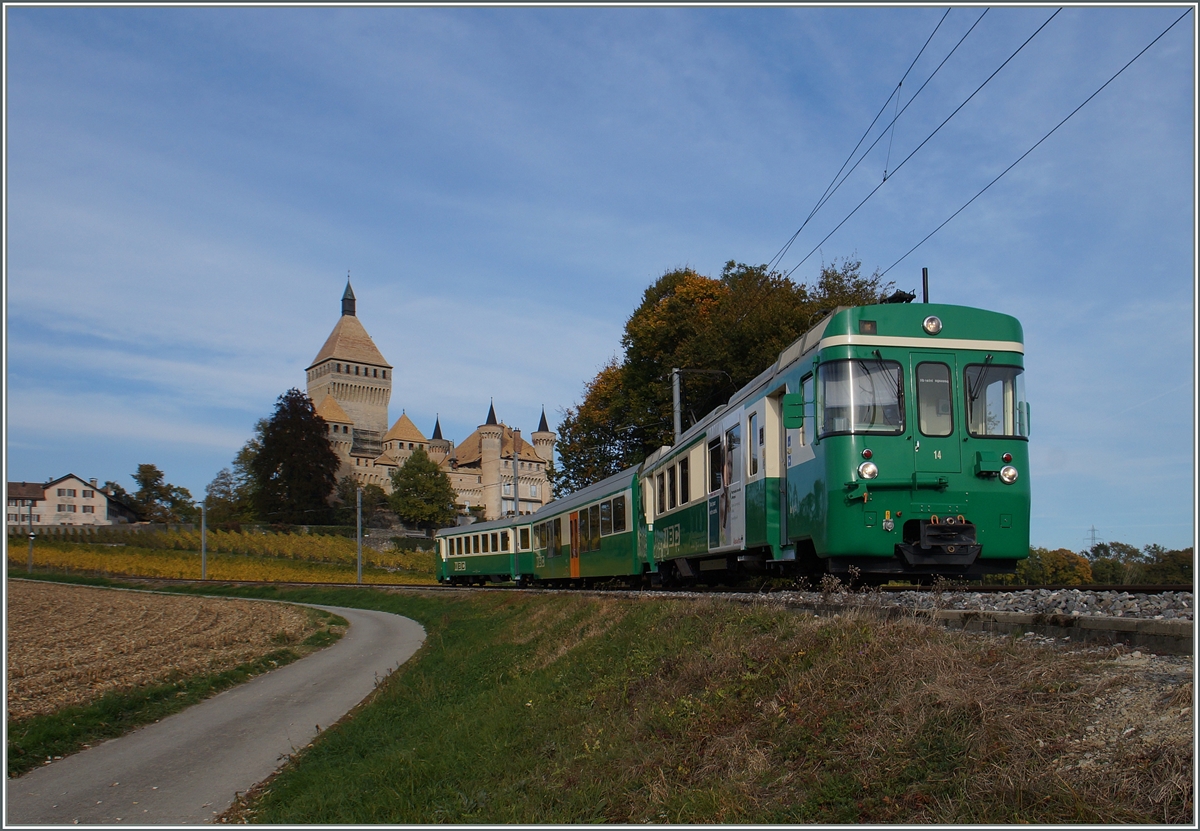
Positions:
{"x": 299, "y": 558}
{"x": 35, "y": 740}
{"x": 530, "y": 708}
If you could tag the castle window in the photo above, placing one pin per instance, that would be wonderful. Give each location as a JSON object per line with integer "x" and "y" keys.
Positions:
{"x": 374, "y": 373}
{"x": 385, "y": 373}
{"x": 339, "y": 367}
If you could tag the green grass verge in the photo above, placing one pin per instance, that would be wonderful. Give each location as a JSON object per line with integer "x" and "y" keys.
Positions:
{"x": 539, "y": 708}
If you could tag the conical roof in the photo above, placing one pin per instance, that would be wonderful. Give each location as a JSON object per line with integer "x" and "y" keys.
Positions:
{"x": 491, "y": 419}
{"x": 349, "y": 341}
{"x": 404, "y": 430}
{"x": 332, "y": 412}
{"x": 437, "y": 429}
{"x": 543, "y": 427}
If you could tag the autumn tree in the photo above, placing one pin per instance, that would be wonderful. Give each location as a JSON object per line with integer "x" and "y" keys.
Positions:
{"x": 422, "y": 494}
{"x": 1060, "y": 567}
{"x": 723, "y": 332}
{"x": 294, "y": 471}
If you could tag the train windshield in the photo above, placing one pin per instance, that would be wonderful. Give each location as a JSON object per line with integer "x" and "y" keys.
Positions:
{"x": 861, "y": 396}
{"x": 996, "y": 404}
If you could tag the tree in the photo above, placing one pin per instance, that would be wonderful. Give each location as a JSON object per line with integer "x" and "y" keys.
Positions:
{"x": 294, "y": 470}
{"x": 725, "y": 330}
{"x": 1115, "y": 563}
{"x": 422, "y": 493}
{"x": 376, "y": 509}
{"x": 1060, "y": 567}
{"x": 1165, "y": 567}
{"x": 155, "y": 499}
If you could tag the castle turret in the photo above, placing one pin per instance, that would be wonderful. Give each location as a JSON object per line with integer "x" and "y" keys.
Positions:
{"x": 543, "y": 440}
{"x": 439, "y": 448}
{"x": 490, "y": 438}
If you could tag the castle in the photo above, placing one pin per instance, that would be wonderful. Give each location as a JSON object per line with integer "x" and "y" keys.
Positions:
{"x": 350, "y": 384}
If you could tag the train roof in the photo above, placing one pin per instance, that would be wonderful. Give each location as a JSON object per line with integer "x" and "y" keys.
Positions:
{"x": 475, "y": 527}
{"x": 614, "y": 483}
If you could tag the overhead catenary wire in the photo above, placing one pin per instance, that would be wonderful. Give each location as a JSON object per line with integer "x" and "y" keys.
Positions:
{"x": 895, "y": 94}
{"x": 924, "y": 142}
{"x": 901, "y": 112}
{"x": 1038, "y": 142}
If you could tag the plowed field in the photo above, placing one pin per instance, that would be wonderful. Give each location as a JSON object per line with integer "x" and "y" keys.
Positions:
{"x": 71, "y": 644}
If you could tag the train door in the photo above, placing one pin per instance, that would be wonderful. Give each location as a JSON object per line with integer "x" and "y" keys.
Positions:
{"x": 936, "y": 445}
{"x": 575, "y": 544}
{"x": 726, "y": 504}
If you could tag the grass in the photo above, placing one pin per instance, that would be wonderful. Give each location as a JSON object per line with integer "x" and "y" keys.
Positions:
{"x": 547, "y": 708}
{"x": 559, "y": 709}
{"x": 33, "y": 741}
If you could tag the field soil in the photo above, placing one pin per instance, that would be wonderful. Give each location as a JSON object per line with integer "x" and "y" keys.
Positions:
{"x": 69, "y": 645}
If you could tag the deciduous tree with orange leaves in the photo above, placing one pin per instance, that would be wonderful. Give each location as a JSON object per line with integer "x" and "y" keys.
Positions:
{"x": 726, "y": 330}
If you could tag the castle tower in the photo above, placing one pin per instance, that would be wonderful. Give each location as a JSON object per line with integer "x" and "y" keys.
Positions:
{"x": 351, "y": 369}
{"x": 490, "y": 436}
{"x": 439, "y": 448}
{"x": 543, "y": 440}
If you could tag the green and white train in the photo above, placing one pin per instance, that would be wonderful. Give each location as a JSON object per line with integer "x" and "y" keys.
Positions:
{"x": 889, "y": 441}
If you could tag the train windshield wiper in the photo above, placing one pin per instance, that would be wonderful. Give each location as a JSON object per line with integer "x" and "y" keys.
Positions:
{"x": 975, "y": 390}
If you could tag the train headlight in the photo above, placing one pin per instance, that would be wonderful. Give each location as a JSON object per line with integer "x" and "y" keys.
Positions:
{"x": 1008, "y": 474}
{"x": 932, "y": 325}
{"x": 867, "y": 470}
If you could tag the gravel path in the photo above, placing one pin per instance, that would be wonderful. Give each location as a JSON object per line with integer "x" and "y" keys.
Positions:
{"x": 188, "y": 768}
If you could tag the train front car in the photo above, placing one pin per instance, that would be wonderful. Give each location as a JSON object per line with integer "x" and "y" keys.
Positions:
{"x": 907, "y": 444}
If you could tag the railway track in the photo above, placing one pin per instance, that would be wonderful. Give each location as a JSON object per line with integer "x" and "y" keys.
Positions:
{"x": 945, "y": 587}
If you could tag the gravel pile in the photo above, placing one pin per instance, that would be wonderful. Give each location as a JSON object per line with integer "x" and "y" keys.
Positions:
{"x": 1165, "y": 606}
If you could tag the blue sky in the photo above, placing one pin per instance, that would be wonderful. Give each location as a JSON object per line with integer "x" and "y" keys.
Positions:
{"x": 187, "y": 188}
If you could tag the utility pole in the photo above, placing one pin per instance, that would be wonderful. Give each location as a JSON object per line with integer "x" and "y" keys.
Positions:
{"x": 204, "y": 540}
{"x": 515, "y": 570}
{"x": 360, "y": 534}
{"x": 675, "y": 404}
{"x": 31, "y": 503}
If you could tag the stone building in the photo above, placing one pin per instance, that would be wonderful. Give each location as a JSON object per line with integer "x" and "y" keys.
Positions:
{"x": 350, "y": 384}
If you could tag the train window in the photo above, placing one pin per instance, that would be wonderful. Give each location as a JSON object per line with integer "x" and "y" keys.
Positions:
{"x": 716, "y": 465}
{"x": 685, "y": 490}
{"x": 752, "y": 431}
{"x": 933, "y": 400}
{"x": 524, "y": 539}
{"x": 594, "y": 527}
{"x": 661, "y": 480}
{"x": 618, "y": 517}
{"x": 475, "y": 544}
{"x": 861, "y": 396}
{"x": 458, "y": 546}
{"x": 996, "y": 403}
{"x": 503, "y": 541}
{"x": 672, "y": 490}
